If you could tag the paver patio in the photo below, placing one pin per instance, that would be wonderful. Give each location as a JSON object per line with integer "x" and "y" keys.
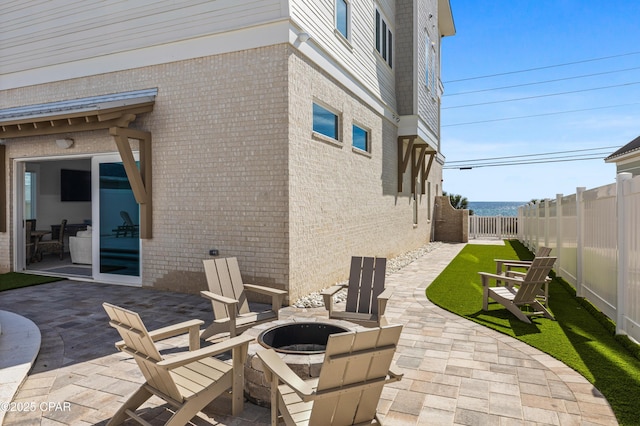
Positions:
{"x": 456, "y": 372}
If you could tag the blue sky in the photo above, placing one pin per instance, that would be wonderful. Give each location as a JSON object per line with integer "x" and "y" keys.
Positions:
{"x": 503, "y": 36}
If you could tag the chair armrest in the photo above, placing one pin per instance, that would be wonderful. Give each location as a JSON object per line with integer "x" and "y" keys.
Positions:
{"x": 277, "y": 296}
{"x": 499, "y": 277}
{"x": 275, "y": 366}
{"x": 192, "y": 327}
{"x": 217, "y": 298}
{"x": 239, "y": 342}
{"x": 327, "y": 296}
{"x": 265, "y": 290}
{"x": 383, "y": 298}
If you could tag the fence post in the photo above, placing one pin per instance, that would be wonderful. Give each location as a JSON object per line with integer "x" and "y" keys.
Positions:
{"x": 622, "y": 251}
{"x": 559, "y": 234}
{"x": 547, "y": 203}
{"x": 579, "y": 238}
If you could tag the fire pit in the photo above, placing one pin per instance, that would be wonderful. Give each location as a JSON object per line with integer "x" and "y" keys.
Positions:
{"x": 301, "y": 338}
{"x": 301, "y": 345}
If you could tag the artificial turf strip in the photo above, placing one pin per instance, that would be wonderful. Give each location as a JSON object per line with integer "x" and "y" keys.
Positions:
{"x": 13, "y": 280}
{"x": 575, "y": 338}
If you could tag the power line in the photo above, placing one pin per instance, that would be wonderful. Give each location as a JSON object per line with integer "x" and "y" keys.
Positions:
{"x": 542, "y": 68}
{"x": 538, "y": 115}
{"x": 539, "y": 82}
{"x": 543, "y": 96}
{"x": 520, "y": 163}
{"x": 543, "y": 154}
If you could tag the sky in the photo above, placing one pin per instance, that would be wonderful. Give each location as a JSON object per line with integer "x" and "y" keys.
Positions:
{"x": 590, "y": 48}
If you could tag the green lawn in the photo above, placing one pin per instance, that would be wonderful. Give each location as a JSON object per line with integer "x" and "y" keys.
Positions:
{"x": 580, "y": 337}
{"x": 13, "y": 280}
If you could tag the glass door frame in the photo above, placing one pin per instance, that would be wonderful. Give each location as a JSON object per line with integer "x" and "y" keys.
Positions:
{"x": 130, "y": 280}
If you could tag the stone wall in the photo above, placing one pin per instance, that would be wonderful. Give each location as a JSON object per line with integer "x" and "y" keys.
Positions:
{"x": 451, "y": 225}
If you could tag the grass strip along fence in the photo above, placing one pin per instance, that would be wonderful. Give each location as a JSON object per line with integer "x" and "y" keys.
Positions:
{"x": 581, "y": 337}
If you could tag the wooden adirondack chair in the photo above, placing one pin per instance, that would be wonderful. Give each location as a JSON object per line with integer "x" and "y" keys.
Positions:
{"x": 366, "y": 296}
{"x": 356, "y": 367}
{"x": 520, "y": 291}
{"x": 187, "y": 381}
{"x": 505, "y": 266}
{"x": 228, "y": 298}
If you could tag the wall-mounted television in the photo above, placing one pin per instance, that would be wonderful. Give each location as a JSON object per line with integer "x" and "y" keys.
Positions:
{"x": 75, "y": 185}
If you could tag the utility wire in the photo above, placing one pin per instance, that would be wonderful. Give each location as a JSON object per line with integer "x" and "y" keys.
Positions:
{"x": 543, "y": 154}
{"x": 538, "y": 115}
{"x": 543, "y": 96}
{"x": 538, "y": 82}
{"x": 542, "y": 68}
{"x": 519, "y": 163}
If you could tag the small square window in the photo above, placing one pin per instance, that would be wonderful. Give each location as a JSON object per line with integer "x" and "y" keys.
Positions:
{"x": 325, "y": 122}
{"x": 360, "y": 138}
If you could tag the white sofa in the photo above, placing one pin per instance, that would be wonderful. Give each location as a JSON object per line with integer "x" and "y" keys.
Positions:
{"x": 80, "y": 247}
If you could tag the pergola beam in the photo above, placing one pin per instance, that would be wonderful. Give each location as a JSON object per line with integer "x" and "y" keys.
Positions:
{"x": 139, "y": 178}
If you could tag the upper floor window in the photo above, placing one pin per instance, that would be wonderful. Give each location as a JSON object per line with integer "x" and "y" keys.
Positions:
{"x": 384, "y": 39}
{"x": 342, "y": 17}
{"x": 360, "y": 138}
{"x": 325, "y": 122}
{"x": 430, "y": 56}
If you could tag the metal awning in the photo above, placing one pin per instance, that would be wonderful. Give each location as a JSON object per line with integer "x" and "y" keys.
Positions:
{"x": 76, "y": 115}
{"x": 113, "y": 112}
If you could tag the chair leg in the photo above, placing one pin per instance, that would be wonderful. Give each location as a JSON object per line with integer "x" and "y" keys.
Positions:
{"x": 134, "y": 401}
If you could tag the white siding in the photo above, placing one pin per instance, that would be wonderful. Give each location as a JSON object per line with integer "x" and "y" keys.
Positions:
{"x": 358, "y": 55}
{"x": 43, "y": 33}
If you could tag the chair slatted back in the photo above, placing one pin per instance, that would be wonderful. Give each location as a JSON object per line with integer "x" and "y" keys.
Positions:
{"x": 139, "y": 344}
{"x": 534, "y": 279}
{"x": 366, "y": 282}
{"x": 224, "y": 279}
{"x": 63, "y": 225}
{"x": 543, "y": 251}
{"x": 351, "y": 359}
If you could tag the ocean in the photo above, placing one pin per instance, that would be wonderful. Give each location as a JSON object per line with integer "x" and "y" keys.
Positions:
{"x": 495, "y": 208}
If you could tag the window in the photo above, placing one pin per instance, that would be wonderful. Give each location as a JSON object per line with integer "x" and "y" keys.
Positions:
{"x": 325, "y": 122}
{"x": 384, "y": 39}
{"x": 430, "y": 55}
{"x": 360, "y": 138}
{"x": 342, "y": 17}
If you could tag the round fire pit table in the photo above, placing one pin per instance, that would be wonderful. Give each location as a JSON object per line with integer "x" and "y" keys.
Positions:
{"x": 301, "y": 344}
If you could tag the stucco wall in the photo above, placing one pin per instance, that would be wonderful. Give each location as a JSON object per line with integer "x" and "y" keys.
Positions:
{"x": 451, "y": 225}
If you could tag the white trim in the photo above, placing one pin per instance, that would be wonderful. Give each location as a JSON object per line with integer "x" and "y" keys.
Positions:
{"x": 230, "y": 41}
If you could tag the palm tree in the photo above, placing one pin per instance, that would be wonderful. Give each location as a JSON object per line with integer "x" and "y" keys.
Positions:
{"x": 458, "y": 201}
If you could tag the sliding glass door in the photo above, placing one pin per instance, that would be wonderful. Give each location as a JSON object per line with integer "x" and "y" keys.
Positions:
{"x": 116, "y": 250}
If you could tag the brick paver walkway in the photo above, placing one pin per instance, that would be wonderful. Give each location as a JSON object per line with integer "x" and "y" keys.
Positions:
{"x": 456, "y": 372}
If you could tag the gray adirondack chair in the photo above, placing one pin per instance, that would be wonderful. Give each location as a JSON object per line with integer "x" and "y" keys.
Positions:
{"x": 227, "y": 294}
{"x": 366, "y": 296}
{"x": 357, "y": 365}
{"x": 521, "y": 290}
{"x": 188, "y": 381}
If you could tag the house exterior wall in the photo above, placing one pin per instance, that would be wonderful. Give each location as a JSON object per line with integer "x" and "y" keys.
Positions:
{"x": 343, "y": 202}
{"x": 236, "y": 165}
{"x": 629, "y": 166}
{"x": 220, "y": 168}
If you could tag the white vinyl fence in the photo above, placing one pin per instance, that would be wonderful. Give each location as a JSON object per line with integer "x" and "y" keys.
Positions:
{"x": 595, "y": 234}
{"x": 490, "y": 227}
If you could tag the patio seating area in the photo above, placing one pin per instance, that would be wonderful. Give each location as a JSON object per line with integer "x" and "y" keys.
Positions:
{"x": 454, "y": 371}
